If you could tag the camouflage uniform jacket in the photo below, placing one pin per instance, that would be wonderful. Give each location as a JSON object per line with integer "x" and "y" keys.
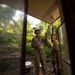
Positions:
{"x": 38, "y": 41}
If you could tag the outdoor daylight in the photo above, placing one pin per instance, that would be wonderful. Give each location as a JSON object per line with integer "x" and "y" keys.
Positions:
{"x": 33, "y": 38}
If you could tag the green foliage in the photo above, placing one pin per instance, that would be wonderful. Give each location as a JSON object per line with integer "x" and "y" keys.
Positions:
{"x": 6, "y": 13}
{"x": 30, "y": 50}
{"x": 11, "y": 32}
{"x": 56, "y": 24}
{"x": 47, "y": 50}
{"x": 8, "y": 44}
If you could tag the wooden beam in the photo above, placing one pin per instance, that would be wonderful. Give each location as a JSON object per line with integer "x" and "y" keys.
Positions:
{"x": 23, "y": 51}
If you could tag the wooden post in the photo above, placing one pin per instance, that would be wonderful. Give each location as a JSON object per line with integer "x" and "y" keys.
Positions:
{"x": 23, "y": 50}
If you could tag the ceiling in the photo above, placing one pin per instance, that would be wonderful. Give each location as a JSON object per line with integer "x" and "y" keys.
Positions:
{"x": 45, "y": 10}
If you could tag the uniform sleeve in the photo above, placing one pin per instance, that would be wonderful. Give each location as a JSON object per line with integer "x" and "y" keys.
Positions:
{"x": 55, "y": 45}
{"x": 33, "y": 43}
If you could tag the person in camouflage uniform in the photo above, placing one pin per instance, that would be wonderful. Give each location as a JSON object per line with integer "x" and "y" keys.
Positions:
{"x": 39, "y": 54}
{"x": 55, "y": 54}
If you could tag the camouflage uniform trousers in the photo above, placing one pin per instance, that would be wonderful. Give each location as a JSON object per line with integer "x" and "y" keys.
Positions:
{"x": 55, "y": 60}
{"x": 39, "y": 57}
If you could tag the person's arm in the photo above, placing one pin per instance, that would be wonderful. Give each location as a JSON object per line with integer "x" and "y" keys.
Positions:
{"x": 45, "y": 38}
{"x": 33, "y": 44}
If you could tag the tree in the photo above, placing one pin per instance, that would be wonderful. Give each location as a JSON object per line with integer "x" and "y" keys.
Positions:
{"x": 6, "y": 15}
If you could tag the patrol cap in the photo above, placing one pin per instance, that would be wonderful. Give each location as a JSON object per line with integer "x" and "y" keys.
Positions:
{"x": 36, "y": 31}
